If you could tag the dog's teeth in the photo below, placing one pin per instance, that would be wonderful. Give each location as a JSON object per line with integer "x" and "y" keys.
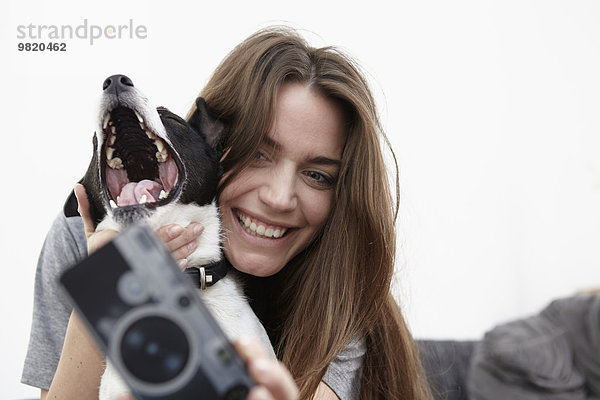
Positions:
{"x": 143, "y": 199}
{"x": 109, "y": 153}
{"x": 118, "y": 200}
{"x": 112, "y": 139}
{"x": 162, "y": 195}
{"x": 113, "y": 204}
{"x": 106, "y": 119}
{"x": 139, "y": 117}
{"x": 113, "y": 129}
{"x": 162, "y": 154}
{"x": 150, "y": 135}
{"x": 115, "y": 163}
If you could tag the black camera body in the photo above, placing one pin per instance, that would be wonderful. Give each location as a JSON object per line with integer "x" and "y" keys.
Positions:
{"x": 151, "y": 323}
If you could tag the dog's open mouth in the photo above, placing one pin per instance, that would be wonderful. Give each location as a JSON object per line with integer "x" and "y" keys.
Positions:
{"x": 137, "y": 166}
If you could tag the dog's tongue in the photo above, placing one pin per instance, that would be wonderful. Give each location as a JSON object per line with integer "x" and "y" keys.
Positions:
{"x": 133, "y": 192}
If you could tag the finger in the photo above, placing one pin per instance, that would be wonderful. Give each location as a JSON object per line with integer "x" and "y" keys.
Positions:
{"x": 181, "y": 241}
{"x": 259, "y": 393}
{"x": 83, "y": 208}
{"x": 249, "y": 348}
{"x": 182, "y": 263}
{"x": 99, "y": 239}
{"x": 184, "y": 252}
{"x": 271, "y": 374}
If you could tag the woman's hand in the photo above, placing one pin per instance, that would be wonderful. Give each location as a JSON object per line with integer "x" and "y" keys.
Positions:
{"x": 181, "y": 241}
{"x": 274, "y": 381}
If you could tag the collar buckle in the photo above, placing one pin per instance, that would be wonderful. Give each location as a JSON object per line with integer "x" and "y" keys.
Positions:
{"x": 204, "y": 278}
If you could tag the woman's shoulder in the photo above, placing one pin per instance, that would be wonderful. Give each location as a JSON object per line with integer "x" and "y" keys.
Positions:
{"x": 343, "y": 375}
{"x": 66, "y": 234}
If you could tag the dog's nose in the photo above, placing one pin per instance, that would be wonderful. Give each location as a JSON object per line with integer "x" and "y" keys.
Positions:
{"x": 117, "y": 83}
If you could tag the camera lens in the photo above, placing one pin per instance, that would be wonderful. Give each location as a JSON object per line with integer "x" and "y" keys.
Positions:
{"x": 154, "y": 349}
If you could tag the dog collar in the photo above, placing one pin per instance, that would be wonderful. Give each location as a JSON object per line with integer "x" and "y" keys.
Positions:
{"x": 207, "y": 275}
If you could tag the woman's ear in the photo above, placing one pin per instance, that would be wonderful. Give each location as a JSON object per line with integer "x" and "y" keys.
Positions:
{"x": 212, "y": 128}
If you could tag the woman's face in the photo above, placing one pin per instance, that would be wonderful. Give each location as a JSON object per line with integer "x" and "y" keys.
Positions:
{"x": 274, "y": 208}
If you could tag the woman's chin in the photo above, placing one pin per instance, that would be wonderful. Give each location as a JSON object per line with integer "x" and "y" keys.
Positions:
{"x": 259, "y": 266}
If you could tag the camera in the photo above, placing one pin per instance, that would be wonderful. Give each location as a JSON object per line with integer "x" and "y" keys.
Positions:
{"x": 151, "y": 323}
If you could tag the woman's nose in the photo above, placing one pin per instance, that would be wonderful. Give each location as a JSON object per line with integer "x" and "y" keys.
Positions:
{"x": 279, "y": 191}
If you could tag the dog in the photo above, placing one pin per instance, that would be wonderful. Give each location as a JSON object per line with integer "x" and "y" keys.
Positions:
{"x": 151, "y": 166}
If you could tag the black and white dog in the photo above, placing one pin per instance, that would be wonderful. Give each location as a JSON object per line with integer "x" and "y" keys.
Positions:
{"x": 151, "y": 166}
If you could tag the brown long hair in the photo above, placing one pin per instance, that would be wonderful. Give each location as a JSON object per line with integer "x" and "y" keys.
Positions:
{"x": 353, "y": 256}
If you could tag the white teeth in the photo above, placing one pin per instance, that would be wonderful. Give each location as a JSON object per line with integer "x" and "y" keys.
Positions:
{"x": 149, "y": 134}
{"x": 159, "y": 145}
{"x": 161, "y": 155}
{"x": 106, "y": 119}
{"x": 260, "y": 230}
{"x": 143, "y": 199}
{"x": 142, "y": 125}
{"x": 139, "y": 117}
{"x": 115, "y": 163}
{"x": 113, "y": 204}
{"x": 112, "y": 140}
{"x": 118, "y": 200}
{"x": 162, "y": 195}
{"x": 113, "y": 129}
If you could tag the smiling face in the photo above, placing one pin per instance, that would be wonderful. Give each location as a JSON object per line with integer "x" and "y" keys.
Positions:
{"x": 275, "y": 207}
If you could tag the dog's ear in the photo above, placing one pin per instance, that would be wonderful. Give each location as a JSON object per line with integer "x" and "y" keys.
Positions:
{"x": 212, "y": 128}
{"x": 70, "y": 207}
{"x": 90, "y": 179}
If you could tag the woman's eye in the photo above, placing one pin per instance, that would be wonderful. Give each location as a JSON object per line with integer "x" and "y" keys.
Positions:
{"x": 320, "y": 178}
{"x": 260, "y": 158}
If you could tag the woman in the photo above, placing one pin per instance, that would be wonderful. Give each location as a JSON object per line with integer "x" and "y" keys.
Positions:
{"x": 309, "y": 220}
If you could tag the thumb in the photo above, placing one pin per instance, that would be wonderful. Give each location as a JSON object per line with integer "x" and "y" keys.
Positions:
{"x": 84, "y": 209}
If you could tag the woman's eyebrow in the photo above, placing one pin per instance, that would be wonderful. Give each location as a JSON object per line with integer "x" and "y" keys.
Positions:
{"x": 271, "y": 143}
{"x": 322, "y": 160}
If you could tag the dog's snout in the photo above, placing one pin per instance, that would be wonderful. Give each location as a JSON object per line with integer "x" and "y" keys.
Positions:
{"x": 117, "y": 83}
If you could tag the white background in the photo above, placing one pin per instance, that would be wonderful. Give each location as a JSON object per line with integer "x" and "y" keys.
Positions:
{"x": 493, "y": 109}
